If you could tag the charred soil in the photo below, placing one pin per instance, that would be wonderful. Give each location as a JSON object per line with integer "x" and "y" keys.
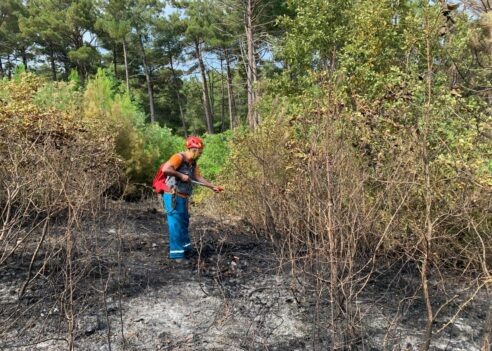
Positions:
{"x": 236, "y": 294}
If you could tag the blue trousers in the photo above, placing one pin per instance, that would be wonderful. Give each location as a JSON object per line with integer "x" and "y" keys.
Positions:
{"x": 178, "y": 220}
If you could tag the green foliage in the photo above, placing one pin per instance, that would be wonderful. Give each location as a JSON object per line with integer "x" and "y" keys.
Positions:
{"x": 199, "y": 20}
{"x": 74, "y": 78}
{"x": 61, "y": 96}
{"x": 158, "y": 145}
{"x": 18, "y": 71}
{"x": 57, "y": 30}
{"x": 215, "y": 155}
{"x": 380, "y": 86}
{"x": 142, "y": 146}
{"x": 214, "y": 161}
{"x": 194, "y": 108}
{"x": 83, "y": 55}
{"x": 12, "y": 39}
{"x": 373, "y": 52}
{"x": 314, "y": 34}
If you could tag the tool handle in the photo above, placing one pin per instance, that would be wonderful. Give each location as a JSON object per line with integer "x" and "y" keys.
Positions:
{"x": 197, "y": 183}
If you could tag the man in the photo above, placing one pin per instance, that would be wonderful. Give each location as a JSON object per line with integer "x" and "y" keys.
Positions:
{"x": 178, "y": 173}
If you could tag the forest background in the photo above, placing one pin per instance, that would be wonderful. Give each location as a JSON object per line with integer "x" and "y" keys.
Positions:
{"x": 354, "y": 134}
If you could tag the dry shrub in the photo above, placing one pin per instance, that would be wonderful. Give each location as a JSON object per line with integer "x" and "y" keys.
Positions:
{"x": 55, "y": 167}
{"x": 345, "y": 193}
{"x": 53, "y": 160}
{"x": 297, "y": 181}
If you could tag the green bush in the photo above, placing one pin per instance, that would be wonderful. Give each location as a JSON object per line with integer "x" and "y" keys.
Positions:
{"x": 215, "y": 154}
{"x": 158, "y": 145}
{"x": 141, "y": 146}
{"x": 59, "y": 95}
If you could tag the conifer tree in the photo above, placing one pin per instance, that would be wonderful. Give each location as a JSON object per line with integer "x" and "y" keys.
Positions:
{"x": 169, "y": 42}
{"x": 59, "y": 30}
{"x": 198, "y": 28}
{"x": 114, "y": 20}
{"x": 13, "y": 42}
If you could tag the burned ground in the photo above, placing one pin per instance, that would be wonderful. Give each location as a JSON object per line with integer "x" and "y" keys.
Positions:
{"x": 236, "y": 295}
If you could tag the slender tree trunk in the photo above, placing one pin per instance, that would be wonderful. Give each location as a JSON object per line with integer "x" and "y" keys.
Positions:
{"x": 9, "y": 68}
{"x": 424, "y": 272}
{"x": 211, "y": 92}
{"x": 230, "y": 92}
{"x": 222, "y": 96}
{"x": 333, "y": 63}
{"x": 24, "y": 59}
{"x": 2, "y": 72}
{"x": 489, "y": 39}
{"x": 68, "y": 67}
{"x": 178, "y": 98}
{"x": 53, "y": 66}
{"x": 428, "y": 231}
{"x": 115, "y": 62}
{"x": 251, "y": 73}
{"x": 126, "y": 67}
{"x": 81, "y": 67}
{"x": 150, "y": 90}
{"x": 205, "y": 97}
{"x": 337, "y": 338}
{"x": 82, "y": 74}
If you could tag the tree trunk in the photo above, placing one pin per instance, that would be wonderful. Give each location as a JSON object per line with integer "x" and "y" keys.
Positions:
{"x": 67, "y": 64}
{"x": 489, "y": 39}
{"x": 178, "y": 98}
{"x": 126, "y": 67}
{"x": 205, "y": 97}
{"x": 211, "y": 92}
{"x": 2, "y": 72}
{"x": 150, "y": 91}
{"x": 428, "y": 231}
{"x": 82, "y": 73}
{"x": 9, "y": 67}
{"x": 222, "y": 97}
{"x": 81, "y": 66}
{"x": 230, "y": 92}
{"x": 251, "y": 73}
{"x": 24, "y": 58}
{"x": 53, "y": 66}
{"x": 114, "y": 62}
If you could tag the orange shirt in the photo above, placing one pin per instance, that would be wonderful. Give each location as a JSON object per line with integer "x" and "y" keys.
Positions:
{"x": 175, "y": 162}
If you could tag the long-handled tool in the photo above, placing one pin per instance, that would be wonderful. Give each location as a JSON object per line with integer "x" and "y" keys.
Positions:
{"x": 198, "y": 183}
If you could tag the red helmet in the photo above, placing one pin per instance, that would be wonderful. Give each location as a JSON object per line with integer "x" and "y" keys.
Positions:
{"x": 194, "y": 142}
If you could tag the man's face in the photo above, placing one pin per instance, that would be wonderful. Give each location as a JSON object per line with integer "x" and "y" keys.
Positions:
{"x": 196, "y": 153}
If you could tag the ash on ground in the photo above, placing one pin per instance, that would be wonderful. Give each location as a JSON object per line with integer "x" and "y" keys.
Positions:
{"x": 235, "y": 295}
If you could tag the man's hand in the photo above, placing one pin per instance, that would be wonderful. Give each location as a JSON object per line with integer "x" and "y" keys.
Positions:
{"x": 217, "y": 189}
{"x": 185, "y": 178}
